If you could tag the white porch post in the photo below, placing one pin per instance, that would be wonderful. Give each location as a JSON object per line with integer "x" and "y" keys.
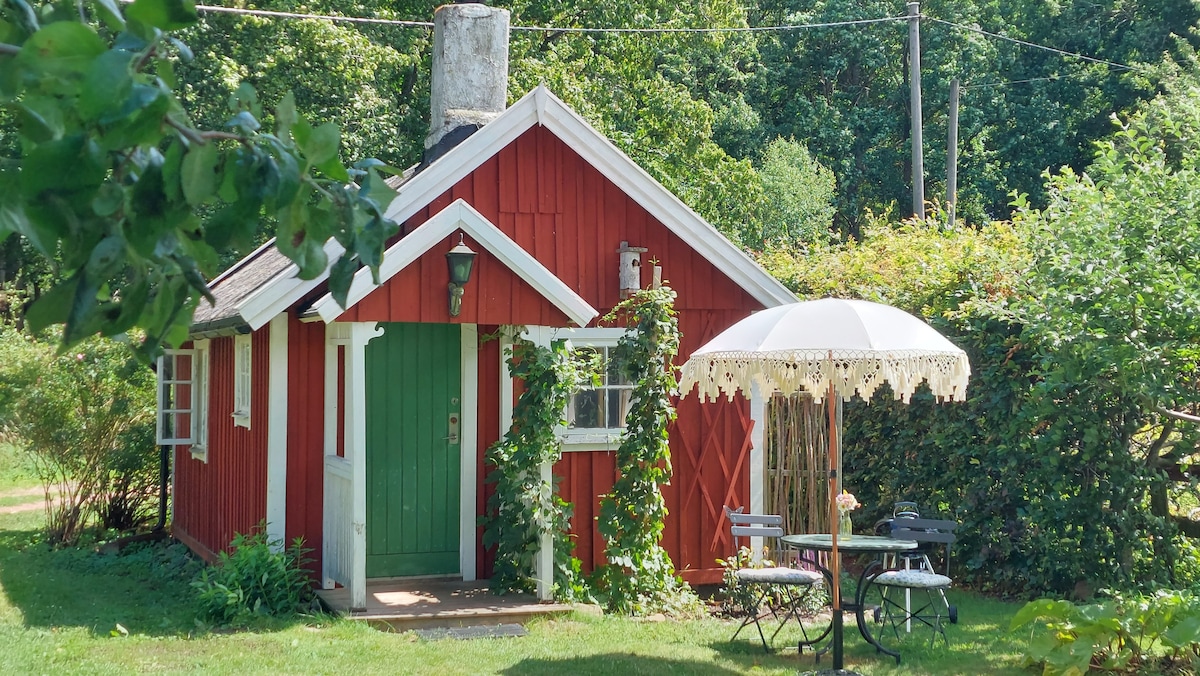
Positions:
{"x": 758, "y": 470}
{"x": 361, "y": 333}
{"x": 468, "y": 439}
{"x": 544, "y": 566}
{"x": 277, "y": 413}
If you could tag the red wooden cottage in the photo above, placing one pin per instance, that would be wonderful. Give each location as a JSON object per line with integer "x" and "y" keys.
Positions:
{"x": 363, "y": 429}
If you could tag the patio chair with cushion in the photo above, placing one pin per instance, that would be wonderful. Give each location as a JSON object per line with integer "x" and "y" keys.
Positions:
{"x": 768, "y": 578}
{"x": 894, "y": 608}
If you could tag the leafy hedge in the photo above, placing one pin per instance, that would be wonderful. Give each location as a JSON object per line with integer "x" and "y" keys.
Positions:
{"x": 1042, "y": 465}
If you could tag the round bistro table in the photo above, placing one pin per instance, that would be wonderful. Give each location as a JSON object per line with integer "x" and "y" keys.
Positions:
{"x": 849, "y": 544}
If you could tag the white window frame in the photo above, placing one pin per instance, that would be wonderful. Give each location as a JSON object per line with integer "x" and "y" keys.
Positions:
{"x": 591, "y": 439}
{"x": 196, "y": 409}
{"x": 243, "y": 379}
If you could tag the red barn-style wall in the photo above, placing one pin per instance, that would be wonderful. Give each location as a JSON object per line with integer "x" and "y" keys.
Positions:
{"x": 306, "y": 434}
{"x": 547, "y": 199}
{"x": 213, "y": 500}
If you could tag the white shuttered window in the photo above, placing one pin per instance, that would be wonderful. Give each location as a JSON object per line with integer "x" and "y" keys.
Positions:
{"x": 242, "y": 378}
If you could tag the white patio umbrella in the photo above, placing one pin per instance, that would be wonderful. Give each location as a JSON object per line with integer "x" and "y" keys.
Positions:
{"x": 828, "y": 348}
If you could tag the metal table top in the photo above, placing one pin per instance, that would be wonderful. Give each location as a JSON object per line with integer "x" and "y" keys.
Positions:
{"x": 849, "y": 544}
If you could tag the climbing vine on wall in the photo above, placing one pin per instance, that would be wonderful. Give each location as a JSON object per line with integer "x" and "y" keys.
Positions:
{"x": 524, "y": 506}
{"x": 639, "y": 576}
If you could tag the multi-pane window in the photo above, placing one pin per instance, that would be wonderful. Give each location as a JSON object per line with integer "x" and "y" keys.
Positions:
{"x": 602, "y": 406}
{"x": 242, "y": 351}
{"x": 596, "y": 414}
{"x": 183, "y": 399}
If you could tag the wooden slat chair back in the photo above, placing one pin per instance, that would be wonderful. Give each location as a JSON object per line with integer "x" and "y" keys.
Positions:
{"x": 767, "y": 578}
{"x": 923, "y": 578}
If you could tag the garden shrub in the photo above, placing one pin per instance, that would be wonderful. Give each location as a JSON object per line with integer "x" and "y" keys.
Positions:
{"x": 258, "y": 577}
{"x": 1157, "y": 633}
{"x": 86, "y": 419}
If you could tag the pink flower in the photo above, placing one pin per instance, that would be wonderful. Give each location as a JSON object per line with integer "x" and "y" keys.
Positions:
{"x": 79, "y": 356}
{"x": 846, "y": 502}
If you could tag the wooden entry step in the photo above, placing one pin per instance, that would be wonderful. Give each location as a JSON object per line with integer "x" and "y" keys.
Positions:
{"x": 423, "y": 603}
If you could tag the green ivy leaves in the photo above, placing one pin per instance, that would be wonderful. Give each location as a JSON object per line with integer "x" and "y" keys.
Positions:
{"x": 640, "y": 577}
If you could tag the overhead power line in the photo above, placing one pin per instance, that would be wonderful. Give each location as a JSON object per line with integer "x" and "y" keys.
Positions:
{"x": 663, "y": 30}
{"x": 543, "y": 29}
{"x": 1025, "y": 43}
{"x": 294, "y": 15}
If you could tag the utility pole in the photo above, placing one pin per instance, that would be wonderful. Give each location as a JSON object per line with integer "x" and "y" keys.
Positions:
{"x": 914, "y": 88}
{"x": 952, "y": 152}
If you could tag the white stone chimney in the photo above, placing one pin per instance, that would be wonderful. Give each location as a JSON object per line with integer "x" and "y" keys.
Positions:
{"x": 469, "y": 80}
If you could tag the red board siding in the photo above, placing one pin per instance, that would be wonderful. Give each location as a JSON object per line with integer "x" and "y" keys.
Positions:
{"x": 572, "y": 219}
{"x": 710, "y": 458}
{"x": 488, "y": 426}
{"x": 554, "y": 205}
{"x": 306, "y": 436}
{"x": 226, "y": 495}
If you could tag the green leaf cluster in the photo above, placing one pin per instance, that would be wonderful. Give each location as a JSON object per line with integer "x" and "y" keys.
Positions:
{"x": 256, "y": 577}
{"x": 86, "y": 421}
{"x": 524, "y": 506}
{"x": 132, "y": 201}
{"x": 1138, "y": 634}
{"x": 639, "y": 576}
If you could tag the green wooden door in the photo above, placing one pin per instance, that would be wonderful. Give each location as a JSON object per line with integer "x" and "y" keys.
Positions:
{"x": 413, "y": 382}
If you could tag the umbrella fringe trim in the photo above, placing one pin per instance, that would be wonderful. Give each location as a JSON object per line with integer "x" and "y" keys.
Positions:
{"x": 811, "y": 371}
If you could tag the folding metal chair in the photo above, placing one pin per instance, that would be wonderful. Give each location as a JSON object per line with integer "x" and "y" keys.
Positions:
{"x": 764, "y": 578}
{"x": 921, "y": 578}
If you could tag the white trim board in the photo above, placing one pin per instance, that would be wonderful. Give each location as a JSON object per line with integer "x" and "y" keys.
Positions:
{"x": 468, "y": 414}
{"x": 543, "y": 108}
{"x": 462, "y": 216}
{"x": 539, "y": 107}
{"x": 277, "y": 424}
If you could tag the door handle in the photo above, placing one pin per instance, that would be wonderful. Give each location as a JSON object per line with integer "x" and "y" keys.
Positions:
{"x": 452, "y": 429}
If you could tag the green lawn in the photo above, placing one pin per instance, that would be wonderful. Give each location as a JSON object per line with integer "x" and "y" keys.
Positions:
{"x": 60, "y": 611}
{"x": 15, "y": 471}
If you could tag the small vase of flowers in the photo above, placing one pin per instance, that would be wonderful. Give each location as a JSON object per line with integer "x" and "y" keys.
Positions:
{"x": 846, "y": 503}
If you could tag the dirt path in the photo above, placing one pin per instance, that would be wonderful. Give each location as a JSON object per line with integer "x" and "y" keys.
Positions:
{"x": 23, "y": 507}
{"x": 21, "y": 492}
{"x": 30, "y": 506}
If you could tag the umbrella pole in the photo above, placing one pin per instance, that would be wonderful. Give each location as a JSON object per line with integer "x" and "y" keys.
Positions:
{"x": 834, "y": 558}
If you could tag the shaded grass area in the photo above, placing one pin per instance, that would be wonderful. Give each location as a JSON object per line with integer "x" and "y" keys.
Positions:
{"x": 59, "y": 613}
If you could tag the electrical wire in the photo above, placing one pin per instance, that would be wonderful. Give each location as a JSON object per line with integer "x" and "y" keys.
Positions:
{"x": 294, "y": 15}
{"x": 730, "y": 29}
{"x": 543, "y": 29}
{"x": 1062, "y": 52}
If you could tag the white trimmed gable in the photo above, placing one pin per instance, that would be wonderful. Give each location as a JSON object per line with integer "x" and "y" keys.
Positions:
{"x": 462, "y": 216}
{"x": 538, "y": 107}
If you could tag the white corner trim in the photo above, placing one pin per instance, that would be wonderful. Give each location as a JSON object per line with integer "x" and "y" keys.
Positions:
{"x": 462, "y": 216}
{"x": 758, "y": 415}
{"x": 282, "y": 290}
{"x": 468, "y": 414}
{"x": 277, "y": 424}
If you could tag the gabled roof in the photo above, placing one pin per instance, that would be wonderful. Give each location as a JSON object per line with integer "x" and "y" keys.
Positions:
{"x": 538, "y": 107}
{"x": 462, "y": 216}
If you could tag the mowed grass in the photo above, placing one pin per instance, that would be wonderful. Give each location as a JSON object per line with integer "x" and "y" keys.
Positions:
{"x": 16, "y": 472}
{"x": 60, "y": 611}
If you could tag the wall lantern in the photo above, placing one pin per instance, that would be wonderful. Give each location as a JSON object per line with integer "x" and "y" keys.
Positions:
{"x": 459, "y": 261}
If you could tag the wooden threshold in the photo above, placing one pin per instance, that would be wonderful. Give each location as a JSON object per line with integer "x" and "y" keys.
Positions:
{"x": 424, "y": 603}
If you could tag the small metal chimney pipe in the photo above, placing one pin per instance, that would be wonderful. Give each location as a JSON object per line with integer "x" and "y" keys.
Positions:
{"x": 469, "y": 81}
